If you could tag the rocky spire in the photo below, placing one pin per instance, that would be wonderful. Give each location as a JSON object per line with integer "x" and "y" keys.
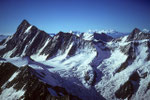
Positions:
{"x": 22, "y": 27}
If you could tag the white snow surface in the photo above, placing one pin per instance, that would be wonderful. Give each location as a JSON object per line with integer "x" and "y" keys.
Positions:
{"x": 3, "y": 46}
{"x": 9, "y": 53}
{"x": 13, "y": 76}
{"x": 11, "y": 94}
{"x": 145, "y": 30}
{"x": 88, "y": 36}
{"x": 18, "y": 61}
{"x": 28, "y": 29}
{"x": 78, "y": 33}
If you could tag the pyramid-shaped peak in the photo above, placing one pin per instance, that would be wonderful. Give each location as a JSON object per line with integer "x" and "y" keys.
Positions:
{"x": 25, "y": 22}
{"x": 23, "y": 26}
{"x": 136, "y": 30}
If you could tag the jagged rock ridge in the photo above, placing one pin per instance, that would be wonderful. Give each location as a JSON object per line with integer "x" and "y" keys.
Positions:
{"x": 25, "y": 81}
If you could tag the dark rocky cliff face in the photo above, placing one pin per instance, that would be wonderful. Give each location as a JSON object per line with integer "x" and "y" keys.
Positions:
{"x": 62, "y": 41}
{"x": 6, "y": 71}
{"x": 102, "y": 37}
{"x": 137, "y": 34}
{"x": 26, "y": 80}
{"x": 129, "y": 87}
{"x": 26, "y": 36}
{"x": 59, "y": 42}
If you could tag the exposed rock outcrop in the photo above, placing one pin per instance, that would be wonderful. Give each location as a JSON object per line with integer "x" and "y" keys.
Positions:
{"x": 23, "y": 79}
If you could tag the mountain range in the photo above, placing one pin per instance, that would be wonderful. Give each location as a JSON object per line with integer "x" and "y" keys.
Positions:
{"x": 35, "y": 65}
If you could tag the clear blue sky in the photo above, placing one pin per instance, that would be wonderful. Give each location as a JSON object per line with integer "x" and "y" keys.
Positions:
{"x": 65, "y": 15}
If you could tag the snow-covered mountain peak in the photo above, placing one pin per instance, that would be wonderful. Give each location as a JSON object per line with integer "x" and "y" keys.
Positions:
{"x": 137, "y": 34}
{"x": 107, "y": 31}
{"x": 145, "y": 30}
{"x": 110, "y": 32}
{"x": 88, "y": 35}
{"x": 77, "y": 33}
{"x": 23, "y": 27}
{"x": 26, "y": 28}
{"x": 137, "y": 31}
